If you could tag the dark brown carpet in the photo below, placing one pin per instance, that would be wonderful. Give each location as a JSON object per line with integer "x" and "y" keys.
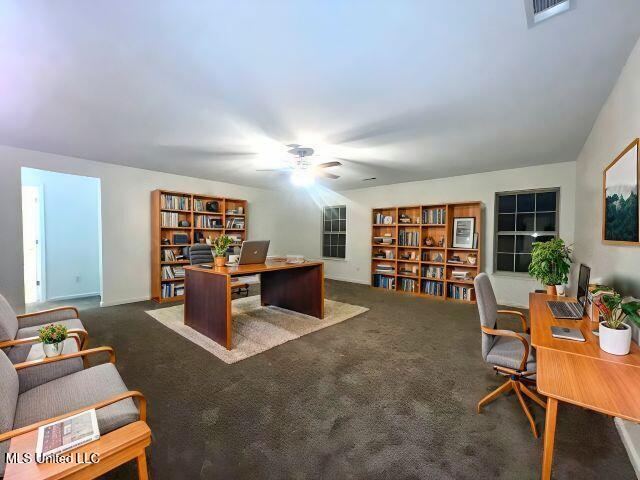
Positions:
{"x": 390, "y": 394}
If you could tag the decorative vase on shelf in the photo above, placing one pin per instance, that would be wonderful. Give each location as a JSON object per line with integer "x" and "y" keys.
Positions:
{"x": 472, "y": 259}
{"x": 616, "y": 342}
{"x": 220, "y": 261}
{"x": 53, "y": 349}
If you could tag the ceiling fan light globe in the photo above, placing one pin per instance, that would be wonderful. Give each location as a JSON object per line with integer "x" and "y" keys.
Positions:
{"x": 302, "y": 178}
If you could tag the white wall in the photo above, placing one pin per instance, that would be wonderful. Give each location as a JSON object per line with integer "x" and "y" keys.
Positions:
{"x": 126, "y": 224}
{"x": 511, "y": 289}
{"x": 72, "y": 232}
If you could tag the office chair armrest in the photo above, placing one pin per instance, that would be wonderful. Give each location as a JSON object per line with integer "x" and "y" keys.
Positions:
{"x": 82, "y": 354}
{"x": 509, "y": 333}
{"x": 47, "y": 316}
{"x": 142, "y": 410}
{"x": 523, "y": 319}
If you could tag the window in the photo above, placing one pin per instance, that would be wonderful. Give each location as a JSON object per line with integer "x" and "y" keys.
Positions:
{"x": 521, "y": 219}
{"x": 334, "y": 231}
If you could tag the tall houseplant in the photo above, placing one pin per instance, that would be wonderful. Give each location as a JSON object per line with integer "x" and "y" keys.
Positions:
{"x": 550, "y": 263}
{"x": 615, "y": 334}
{"x": 220, "y": 245}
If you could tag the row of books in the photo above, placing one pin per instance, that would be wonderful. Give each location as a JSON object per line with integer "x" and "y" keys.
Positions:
{"x": 460, "y": 292}
{"x": 235, "y": 223}
{"x": 170, "y": 273}
{"x": 434, "y": 215}
{"x": 381, "y": 219}
{"x": 408, "y": 285}
{"x": 432, "y": 288}
{"x": 174, "y": 202}
{"x": 172, "y": 290}
{"x": 385, "y": 268}
{"x": 433, "y": 272}
{"x": 408, "y": 239}
{"x": 169, "y": 219}
{"x": 200, "y": 205}
{"x": 384, "y": 282}
{"x": 204, "y": 221}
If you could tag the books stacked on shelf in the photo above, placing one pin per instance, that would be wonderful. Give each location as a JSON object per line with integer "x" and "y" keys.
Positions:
{"x": 433, "y": 272}
{"x": 460, "y": 275}
{"x": 172, "y": 290}
{"x": 385, "y": 268}
{"x": 413, "y": 271}
{"x": 434, "y": 216}
{"x": 169, "y": 219}
{"x": 384, "y": 240}
{"x": 381, "y": 219}
{"x": 432, "y": 288}
{"x": 408, "y": 285}
{"x": 384, "y": 282}
{"x": 235, "y": 223}
{"x": 168, "y": 255}
{"x": 204, "y": 221}
{"x": 384, "y": 255}
{"x": 460, "y": 292}
{"x": 408, "y": 238}
{"x": 174, "y": 202}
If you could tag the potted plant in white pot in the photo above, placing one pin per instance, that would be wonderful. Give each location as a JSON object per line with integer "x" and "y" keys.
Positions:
{"x": 220, "y": 246}
{"x": 52, "y": 337}
{"x": 614, "y": 333}
{"x": 550, "y": 264}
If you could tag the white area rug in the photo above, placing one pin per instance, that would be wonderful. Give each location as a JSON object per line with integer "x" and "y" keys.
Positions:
{"x": 257, "y": 328}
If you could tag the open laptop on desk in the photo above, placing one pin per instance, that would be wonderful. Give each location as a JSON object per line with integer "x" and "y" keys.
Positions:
{"x": 573, "y": 310}
{"x": 252, "y": 252}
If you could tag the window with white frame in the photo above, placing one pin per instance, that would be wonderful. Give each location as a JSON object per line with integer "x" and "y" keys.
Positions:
{"x": 334, "y": 231}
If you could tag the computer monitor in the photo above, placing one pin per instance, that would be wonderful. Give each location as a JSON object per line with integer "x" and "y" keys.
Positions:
{"x": 253, "y": 251}
{"x": 583, "y": 284}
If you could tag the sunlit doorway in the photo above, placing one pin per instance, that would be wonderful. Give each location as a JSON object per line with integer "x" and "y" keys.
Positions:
{"x": 33, "y": 243}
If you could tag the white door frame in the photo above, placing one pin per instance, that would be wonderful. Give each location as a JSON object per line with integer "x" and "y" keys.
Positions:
{"x": 40, "y": 245}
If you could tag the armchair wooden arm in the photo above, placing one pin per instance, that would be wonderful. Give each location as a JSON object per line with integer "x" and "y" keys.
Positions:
{"x": 50, "y": 310}
{"x": 509, "y": 333}
{"x": 142, "y": 409}
{"x": 59, "y": 358}
{"x": 80, "y": 336}
{"x": 523, "y": 319}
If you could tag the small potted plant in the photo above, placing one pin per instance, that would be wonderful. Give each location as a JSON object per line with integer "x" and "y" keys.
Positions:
{"x": 220, "y": 246}
{"x": 550, "y": 264}
{"x": 52, "y": 337}
{"x": 615, "y": 335}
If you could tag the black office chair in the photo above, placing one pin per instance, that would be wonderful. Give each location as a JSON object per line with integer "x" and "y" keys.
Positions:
{"x": 200, "y": 253}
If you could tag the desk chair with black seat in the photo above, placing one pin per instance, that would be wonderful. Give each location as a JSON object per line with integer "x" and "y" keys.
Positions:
{"x": 200, "y": 253}
{"x": 509, "y": 352}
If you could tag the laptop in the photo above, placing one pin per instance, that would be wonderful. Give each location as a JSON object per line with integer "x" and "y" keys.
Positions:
{"x": 252, "y": 251}
{"x": 573, "y": 310}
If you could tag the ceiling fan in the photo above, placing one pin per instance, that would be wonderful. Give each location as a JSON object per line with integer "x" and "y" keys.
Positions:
{"x": 302, "y": 171}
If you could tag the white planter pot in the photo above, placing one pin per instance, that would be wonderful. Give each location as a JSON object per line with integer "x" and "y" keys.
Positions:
{"x": 560, "y": 290}
{"x": 53, "y": 349}
{"x": 616, "y": 342}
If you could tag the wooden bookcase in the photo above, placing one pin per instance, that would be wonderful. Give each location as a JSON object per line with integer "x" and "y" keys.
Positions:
{"x": 414, "y": 267}
{"x": 191, "y": 208}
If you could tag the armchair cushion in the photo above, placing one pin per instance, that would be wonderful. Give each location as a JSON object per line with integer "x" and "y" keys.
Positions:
{"x": 75, "y": 391}
{"x": 8, "y": 320}
{"x": 32, "y": 331}
{"x": 507, "y": 352}
{"x": 45, "y": 317}
{"x": 8, "y": 401}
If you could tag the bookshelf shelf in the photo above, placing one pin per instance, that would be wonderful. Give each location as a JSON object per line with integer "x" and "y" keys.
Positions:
{"x": 168, "y": 207}
{"x": 427, "y": 221}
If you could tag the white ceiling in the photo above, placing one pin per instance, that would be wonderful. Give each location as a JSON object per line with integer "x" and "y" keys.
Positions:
{"x": 407, "y": 90}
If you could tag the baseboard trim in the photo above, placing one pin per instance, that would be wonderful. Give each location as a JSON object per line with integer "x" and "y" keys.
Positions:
{"x": 113, "y": 303}
{"x": 631, "y": 445}
{"x": 72, "y": 297}
{"x": 343, "y": 279}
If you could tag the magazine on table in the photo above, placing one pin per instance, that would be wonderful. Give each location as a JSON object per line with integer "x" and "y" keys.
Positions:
{"x": 68, "y": 433}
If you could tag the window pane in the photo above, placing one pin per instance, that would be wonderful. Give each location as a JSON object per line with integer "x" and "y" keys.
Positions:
{"x": 527, "y": 202}
{"x": 327, "y": 226}
{"x": 343, "y": 226}
{"x": 523, "y": 243}
{"x": 546, "y": 202}
{"x": 522, "y": 262}
{"x": 327, "y": 213}
{"x": 505, "y": 262}
{"x": 326, "y": 251}
{"x": 334, "y": 250}
{"x": 506, "y": 222}
{"x": 334, "y": 239}
{"x": 335, "y": 225}
{"x": 505, "y": 243}
{"x": 343, "y": 213}
{"x": 544, "y": 238}
{"x": 546, "y": 222}
{"x": 506, "y": 204}
{"x": 342, "y": 240}
{"x": 326, "y": 239}
{"x": 524, "y": 222}
{"x": 341, "y": 252}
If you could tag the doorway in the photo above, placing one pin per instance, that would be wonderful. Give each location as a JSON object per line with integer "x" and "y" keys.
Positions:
{"x": 33, "y": 243}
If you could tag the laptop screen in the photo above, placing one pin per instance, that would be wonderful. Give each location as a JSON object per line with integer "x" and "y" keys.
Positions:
{"x": 583, "y": 284}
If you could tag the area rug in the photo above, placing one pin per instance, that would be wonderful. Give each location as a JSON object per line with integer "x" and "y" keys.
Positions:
{"x": 257, "y": 328}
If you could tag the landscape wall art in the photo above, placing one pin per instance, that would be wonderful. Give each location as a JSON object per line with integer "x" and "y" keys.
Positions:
{"x": 620, "y": 203}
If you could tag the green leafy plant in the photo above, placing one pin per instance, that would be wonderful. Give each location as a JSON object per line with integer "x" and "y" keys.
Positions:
{"x": 52, "y": 333}
{"x": 220, "y": 245}
{"x": 615, "y": 311}
{"x": 550, "y": 262}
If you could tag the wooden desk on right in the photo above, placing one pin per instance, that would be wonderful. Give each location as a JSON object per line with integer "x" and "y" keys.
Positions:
{"x": 580, "y": 372}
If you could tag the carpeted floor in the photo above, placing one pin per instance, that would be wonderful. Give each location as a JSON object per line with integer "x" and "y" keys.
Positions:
{"x": 390, "y": 394}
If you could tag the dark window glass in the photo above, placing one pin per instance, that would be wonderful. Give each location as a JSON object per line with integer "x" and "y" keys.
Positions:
{"x": 506, "y": 222}
{"x": 343, "y": 225}
{"x": 507, "y": 204}
{"x": 522, "y": 262}
{"x": 326, "y": 238}
{"x": 505, "y": 243}
{"x": 342, "y": 239}
{"x": 334, "y": 250}
{"x": 545, "y": 222}
{"x": 327, "y": 226}
{"x": 341, "y": 252}
{"x": 527, "y": 202}
{"x": 505, "y": 262}
{"x": 544, "y": 238}
{"x": 335, "y": 225}
{"x": 523, "y": 243}
{"x": 326, "y": 251}
{"x": 546, "y": 202}
{"x": 525, "y": 222}
{"x": 333, "y": 242}
{"x": 343, "y": 213}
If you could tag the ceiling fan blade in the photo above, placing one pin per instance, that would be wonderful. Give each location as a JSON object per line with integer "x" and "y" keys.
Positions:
{"x": 328, "y": 164}
{"x": 327, "y": 175}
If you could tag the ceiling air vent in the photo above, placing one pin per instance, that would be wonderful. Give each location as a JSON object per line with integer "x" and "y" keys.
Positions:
{"x": 540, "y": 10}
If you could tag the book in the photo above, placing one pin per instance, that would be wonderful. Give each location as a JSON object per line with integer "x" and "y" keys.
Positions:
{"x": 71, "y": 432}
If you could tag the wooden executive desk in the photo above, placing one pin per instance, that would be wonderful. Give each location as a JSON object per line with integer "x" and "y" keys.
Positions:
{"x": 207, "y": 304}
{"x": 580, "y": 372}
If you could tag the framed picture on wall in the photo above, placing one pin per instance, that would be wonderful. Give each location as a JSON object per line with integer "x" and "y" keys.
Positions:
{"x": 621, "y": 217}
{"x": 464, "y": 229}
